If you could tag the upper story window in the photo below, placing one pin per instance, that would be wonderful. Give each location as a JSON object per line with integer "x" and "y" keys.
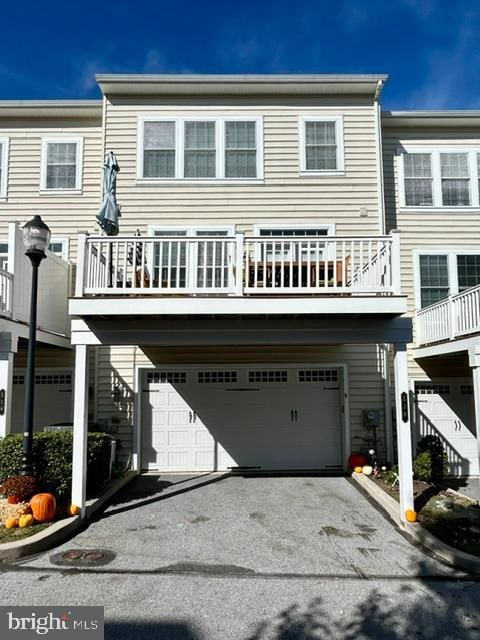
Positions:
{"x": 444, "y": 273}
{"x": 321, "y": 141}
{"x": 440, "y": 178}
{"x": 3, "y": 167}
{"x": 61, "y": 164}
{"x": 196, "y": 149}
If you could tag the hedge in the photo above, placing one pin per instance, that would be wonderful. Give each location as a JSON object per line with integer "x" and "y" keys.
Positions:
{"x": 52, "y": 460}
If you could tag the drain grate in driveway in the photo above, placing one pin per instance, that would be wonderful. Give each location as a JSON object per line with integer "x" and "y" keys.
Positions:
{"x": 83, "y": 558}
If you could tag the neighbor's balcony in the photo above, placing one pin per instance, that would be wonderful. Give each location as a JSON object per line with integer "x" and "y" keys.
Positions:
{"x": 53, "y": 288}
{"x": 207, "y": 269}
{"x": 456, "y": 316}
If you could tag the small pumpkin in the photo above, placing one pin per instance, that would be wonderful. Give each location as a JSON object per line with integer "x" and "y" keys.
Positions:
{"x": 367, "y": 470}
{"x": 358, "y": 469}
{"x": 410, "y": 515}
{"x": 44, "y": 507}
{"x": 12, "y": 499}
{"x": 11, "y": 523}
{"x": 74, "y": 510}
{"x": 25, "y": 521}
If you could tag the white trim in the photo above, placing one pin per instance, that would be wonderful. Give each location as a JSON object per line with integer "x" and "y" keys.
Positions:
{"x": 380, "y": 178}
{"x": 339, "y": 137}
{"x": 190, "y": 229}
{"x": 64, "y": 241}
{"x": 219, "y": 144}
{"x": 276, "y": 225}
{"x": 5, "y": 142}
{"x": 451, "y": 266}
{"x": 435, "y": 151}
{"x": 344, "y": 395}
{"x": 79, "y": 165}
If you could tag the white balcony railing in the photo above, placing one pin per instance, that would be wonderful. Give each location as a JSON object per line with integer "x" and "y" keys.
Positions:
{"x": 53, "y": 287}
{"x": 456, "y": 316}
{"x": 237, "y": 265}
{"x": 6, "y": 290}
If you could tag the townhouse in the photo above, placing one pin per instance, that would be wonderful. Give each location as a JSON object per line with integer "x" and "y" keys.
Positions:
{"x": 277, "y": 235}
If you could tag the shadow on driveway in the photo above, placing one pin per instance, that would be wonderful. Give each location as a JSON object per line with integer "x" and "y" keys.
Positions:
{"x": 149, "y": 489}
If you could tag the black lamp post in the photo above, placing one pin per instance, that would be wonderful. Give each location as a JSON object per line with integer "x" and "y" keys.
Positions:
{"x": 36, "y": 238}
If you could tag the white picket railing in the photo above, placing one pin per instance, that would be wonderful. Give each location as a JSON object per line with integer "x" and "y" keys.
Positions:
{"x": 456, "y": 316}
{"x": 6, "y": 293}
{"x": 237, "y": 265}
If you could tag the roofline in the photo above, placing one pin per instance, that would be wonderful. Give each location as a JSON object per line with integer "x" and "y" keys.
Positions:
{"x": 218, "y": 84}
{"x": 441, "y": 117}
{"x": 50, "y": 108}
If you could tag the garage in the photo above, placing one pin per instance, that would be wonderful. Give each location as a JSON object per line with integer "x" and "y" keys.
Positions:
{"x": 445, "y": 408}
{"x": 53, "y": 398}
{"x": 206, "y": 419}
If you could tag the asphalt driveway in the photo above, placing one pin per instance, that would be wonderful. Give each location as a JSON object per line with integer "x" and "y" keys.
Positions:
{"x": 231, "y": 525}
{"x": 220, "y": 558}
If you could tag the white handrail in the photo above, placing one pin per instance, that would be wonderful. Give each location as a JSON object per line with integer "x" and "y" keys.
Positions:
{"x": 457, "y": 315}
{"x": 235, "y": 265}
{"x": 6, "y": 293}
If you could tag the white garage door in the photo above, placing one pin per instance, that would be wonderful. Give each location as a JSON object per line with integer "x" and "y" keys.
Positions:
{"x": 53, "y": 398}
{"x": 260, "y": 418}
{"x": 446, "y": 409}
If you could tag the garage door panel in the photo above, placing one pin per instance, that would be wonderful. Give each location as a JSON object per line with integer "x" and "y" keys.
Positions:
{"x": 258, "y": 417}
{"x": 445, "y": 409}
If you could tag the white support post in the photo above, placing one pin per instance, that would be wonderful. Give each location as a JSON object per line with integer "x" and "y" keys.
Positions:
{"x": 80, "y": 275}
{"x": 6, "y": 381}
{"x": 240, "y": 265}
{"x": 80, "y": 429}
{"x": 404, "y": 431}
{"x": 395, "y": 260}
{"x": 474, "y": 361}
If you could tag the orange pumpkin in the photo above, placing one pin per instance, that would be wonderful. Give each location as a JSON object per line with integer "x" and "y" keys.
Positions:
{"x": 410, "y": 515}
{"x": 73, "y": 510}
{"x": 43, "y": 507}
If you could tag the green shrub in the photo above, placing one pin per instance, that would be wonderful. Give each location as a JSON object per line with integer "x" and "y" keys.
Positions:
{"x": 391, "y": 475}
{"x": 52, "y": 460}
{"x": 431, "y": 463}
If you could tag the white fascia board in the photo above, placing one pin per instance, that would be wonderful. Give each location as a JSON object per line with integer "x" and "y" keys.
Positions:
{"x": 445, "y": 348}
{"x": 111, "y": 306}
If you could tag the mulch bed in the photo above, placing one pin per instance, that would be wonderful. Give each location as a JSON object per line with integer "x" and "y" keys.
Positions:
{"x": 454, "y": 526}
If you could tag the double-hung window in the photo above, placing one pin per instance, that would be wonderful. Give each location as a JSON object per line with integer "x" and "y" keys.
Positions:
{"x": 321, "y": 141}
{"x": 200, "y": 149}
{"x": 440, "y": 178}
{"x": 443, "y": 273}
{"x": 61, "y": 164}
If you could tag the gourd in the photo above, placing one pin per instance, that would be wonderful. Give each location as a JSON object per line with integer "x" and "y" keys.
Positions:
{"x": 410, "y": 515}
{"x": 11, "y": 523}
{"x": 43, "y": 507}
{"x": 358, "y": 469}
{"x": 367, "y": 470}
{"x": 25, "y": 520}
{"x": 73, "y": 510}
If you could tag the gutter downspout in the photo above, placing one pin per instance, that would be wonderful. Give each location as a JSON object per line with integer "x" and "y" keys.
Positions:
{"x": 378, "y": 137}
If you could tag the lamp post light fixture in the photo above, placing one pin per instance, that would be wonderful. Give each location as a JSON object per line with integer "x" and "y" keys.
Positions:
{"x": 36, "y": 238}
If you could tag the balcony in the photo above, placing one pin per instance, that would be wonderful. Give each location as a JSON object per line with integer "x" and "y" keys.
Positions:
{"x": 455, "y": 317}
{"x": 53, "y": 292}
{"x": 237, "y": 275}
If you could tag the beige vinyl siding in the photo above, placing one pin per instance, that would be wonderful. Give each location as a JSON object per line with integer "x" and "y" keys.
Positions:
{"x": 65, "y": 213}
{"x": 283, "y": 195}
{"x": 444, "y": 228}
{"x": 117, "y": 367}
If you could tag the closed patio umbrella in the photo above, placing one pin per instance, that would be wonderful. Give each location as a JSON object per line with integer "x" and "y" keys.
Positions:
{"x": 109, "y": 212}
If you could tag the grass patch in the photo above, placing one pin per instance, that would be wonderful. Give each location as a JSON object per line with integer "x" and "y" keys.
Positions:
{"x": 13, "y": 535}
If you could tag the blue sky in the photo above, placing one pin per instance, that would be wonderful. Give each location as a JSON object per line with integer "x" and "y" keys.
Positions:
{"x": 430, "y": 48}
